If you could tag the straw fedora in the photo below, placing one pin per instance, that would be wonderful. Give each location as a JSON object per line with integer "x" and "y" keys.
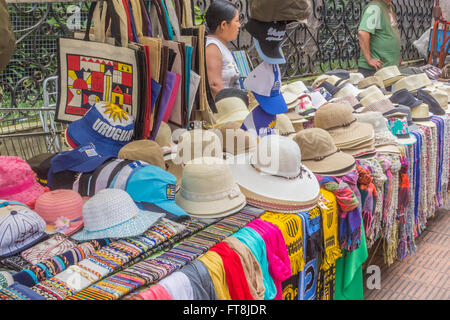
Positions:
{"x": 274, "y": 175}
{"x": 320, "y": 154}
{"x": 341, "y": 123}
{"x": 421, "y": 114}
{"x": 412, "y": 83}
{"x": 382, "y": 106}
{"x": 373, "y": 89}
{"x": 292, "y": 91}
{"x": 284, "y": 125}
{"x": 373, "y": 96}
{"x": 389, "y": 75}
{"x": 197, "y": 143}
{"x": 347, "y": 90}
{"x": 235, "y": 140}
{"x": 318, "y": 81}
{"x": 350, "y": 101}
{"x": 230, "y": 108}
{"x": 208, "y": 189}
{"x": 383, "y": 136}
{"x": 355, "y": 78}
{"x": 439, "y": 96}
{"x": 370, "y": 81}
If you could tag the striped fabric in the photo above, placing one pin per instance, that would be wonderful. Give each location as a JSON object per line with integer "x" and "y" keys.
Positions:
{"x": 155, "y": 268}
{"x": 243, "y": 65}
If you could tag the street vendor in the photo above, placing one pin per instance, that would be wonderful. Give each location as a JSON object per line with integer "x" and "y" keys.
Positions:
{"x": 222, "y": 24}
{"x": 379, "y": 37}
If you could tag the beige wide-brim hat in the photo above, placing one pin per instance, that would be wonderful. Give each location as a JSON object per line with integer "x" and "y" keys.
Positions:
{"x": 296, "y": 89}
{"x": 143, "y": 150}
{"x": 208, "y": 189}
{"x": 320, "y": 154}
{"x": 230, "y": 109}
{"x": 356, "y": 131}
{"x": 284, "y": 125}
{"x": 370, "y": 81}
{"x": 412, "y": 83}
{"x": 389, "y": 75}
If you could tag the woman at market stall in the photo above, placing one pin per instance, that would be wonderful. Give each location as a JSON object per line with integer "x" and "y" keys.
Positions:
{"x": 222, "y": 25}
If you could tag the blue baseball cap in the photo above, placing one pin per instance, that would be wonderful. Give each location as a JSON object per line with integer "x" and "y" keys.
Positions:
{"x": 153, "y": 185}
{"x": 265, "y": 83}
{"x": 82, "y": 159}
{"x": 105, "y": 125}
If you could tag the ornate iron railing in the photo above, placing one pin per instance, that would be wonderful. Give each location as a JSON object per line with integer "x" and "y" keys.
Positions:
{"x": 329, "y": 40}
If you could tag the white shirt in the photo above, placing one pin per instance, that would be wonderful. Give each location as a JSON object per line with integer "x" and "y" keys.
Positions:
{"x": 230, "y": 71}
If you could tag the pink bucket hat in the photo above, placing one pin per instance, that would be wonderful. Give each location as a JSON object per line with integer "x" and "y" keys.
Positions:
{"x": 62, "y": 210}
{"x": 18, "y": 181}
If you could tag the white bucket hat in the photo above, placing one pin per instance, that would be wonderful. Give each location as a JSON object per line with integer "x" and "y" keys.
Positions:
{"x": 112, "y": 213}
{"x": 273, "y": 177}
{"x": 208, "y": 189}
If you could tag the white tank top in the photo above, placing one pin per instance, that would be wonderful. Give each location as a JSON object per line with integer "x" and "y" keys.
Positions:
{"x": 230, "y": 71}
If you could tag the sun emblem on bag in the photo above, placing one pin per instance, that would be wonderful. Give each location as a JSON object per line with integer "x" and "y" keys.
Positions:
{"x": 115, "y": 112}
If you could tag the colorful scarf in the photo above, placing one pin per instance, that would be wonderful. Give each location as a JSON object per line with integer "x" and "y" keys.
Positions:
{"x": 291, "y": 227}
{"x": 349, "y": 215}
{"x": 368, "y": 196}
{"x": 403, "y": 191}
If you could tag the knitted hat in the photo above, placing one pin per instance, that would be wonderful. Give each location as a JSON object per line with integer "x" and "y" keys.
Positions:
{"x": 62, "y": 210}
{"x": 18, "y": 181}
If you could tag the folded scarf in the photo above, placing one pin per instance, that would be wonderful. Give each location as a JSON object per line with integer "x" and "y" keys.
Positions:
{"x": 368, "y": 196}
{"x": 349, "y": 215}
{"x": 403, "y": 191}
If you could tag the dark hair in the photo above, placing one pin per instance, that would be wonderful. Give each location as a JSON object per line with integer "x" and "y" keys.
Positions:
{"x": 219, "y": 11}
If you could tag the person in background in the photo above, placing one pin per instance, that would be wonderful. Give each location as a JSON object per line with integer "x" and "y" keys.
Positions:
{"x": 379, "y": 37}
{"x": 222, "y": 25}
{"x": 7, "y": 40}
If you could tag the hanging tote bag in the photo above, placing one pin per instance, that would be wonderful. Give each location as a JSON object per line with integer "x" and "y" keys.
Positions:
{"x": 93, "y": 71}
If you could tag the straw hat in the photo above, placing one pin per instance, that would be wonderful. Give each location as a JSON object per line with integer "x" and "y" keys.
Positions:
{"x": 292, "y": 91}
{"x": 320, "y": 154}
{"x": 421, "y": 114}
{"x": 389, "y": 75}
{"x": 373, "y": 89}
{"x": 296, "y": 120}
{"x": 341, "y": 123}
{"x": 284, "y": 125}
{"x": 382, "y": 106}
{"x": 440, "y": 96}
{"x": 235, "y": 140}
{"x": 319, "y": 80}
{"x": 145, "y": 150}
{"x": 61, "y": 210}
{"x": 230, "y": 108}
{"x": 383, "y": 136}
{"x": 197, "y": 143}
{"x": 348, "y": 90}
{"x": 355, "y": 78}
{"x": 208, "y": 189}
{"x": 412, "y": 83}
{"x": 274, "y": 176}
{"x": 370, "y": 81}
{"x": 350, "y": 101}
{"x": 375, "y": 95}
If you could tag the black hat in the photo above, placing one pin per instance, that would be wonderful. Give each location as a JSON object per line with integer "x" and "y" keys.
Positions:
{"x": 232, "y": 92}
{"x": 435, "y": 107}
{"x": 329, "y": 87}
{"x": 406, "y": 98}
{"x": 267, "y": 37}
{"x": 40, "y": 164}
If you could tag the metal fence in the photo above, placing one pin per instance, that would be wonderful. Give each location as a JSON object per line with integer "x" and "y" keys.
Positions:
{"x": 328, "y": 41}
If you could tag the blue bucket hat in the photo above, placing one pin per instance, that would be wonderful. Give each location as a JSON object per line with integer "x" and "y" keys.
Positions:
{"x": 155, "y": 189}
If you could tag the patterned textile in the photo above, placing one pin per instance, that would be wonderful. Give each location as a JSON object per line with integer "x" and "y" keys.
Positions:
{"x": 368, "y": 195}
{"x": 153, "y": 269}
{"x": 57, "y": 244}
{"x": 51, "y": 267}
{"x": 290, "y": 226}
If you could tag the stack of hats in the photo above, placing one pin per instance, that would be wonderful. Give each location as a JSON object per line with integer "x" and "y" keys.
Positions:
{"x": 273, "y": 177}
{"x": 231, "y": 104}
{"x": 352, "y": 137}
